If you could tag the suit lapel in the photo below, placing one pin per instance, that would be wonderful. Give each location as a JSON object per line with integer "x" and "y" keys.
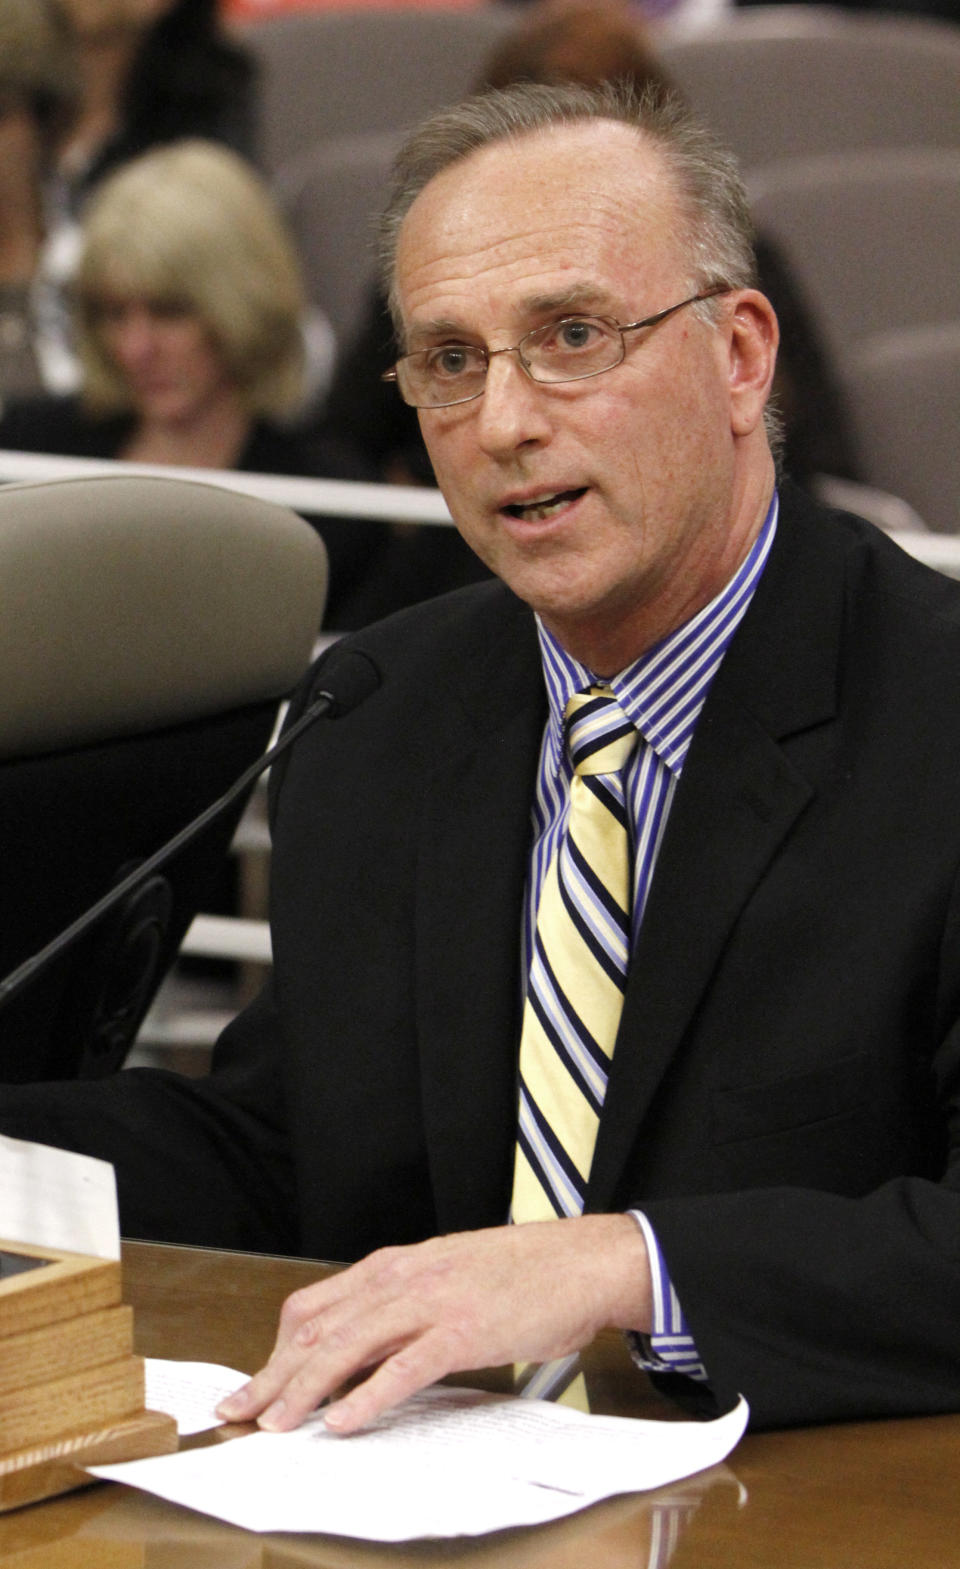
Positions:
{"x": 738, "y": 799}
{"x": 474, "y": 838}
{"x": 740, "y": 795}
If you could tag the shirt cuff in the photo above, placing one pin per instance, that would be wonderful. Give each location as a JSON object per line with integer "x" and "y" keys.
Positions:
{"x": 669, "y": 1347}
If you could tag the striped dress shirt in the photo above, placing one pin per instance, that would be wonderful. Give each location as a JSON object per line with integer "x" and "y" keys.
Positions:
{"x": 663, "y": 693}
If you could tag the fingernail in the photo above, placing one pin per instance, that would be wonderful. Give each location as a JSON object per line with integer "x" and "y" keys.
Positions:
{"x": 273, "y": 1417}
{"x": 337, "y": 1416}
{"x": 232, "y": 1405}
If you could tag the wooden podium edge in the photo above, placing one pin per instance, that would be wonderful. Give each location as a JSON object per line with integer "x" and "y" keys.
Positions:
{"x": 44, "y": 1470}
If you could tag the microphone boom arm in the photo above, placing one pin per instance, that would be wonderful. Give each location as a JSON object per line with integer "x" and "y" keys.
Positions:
{"x": 323, "y": 702}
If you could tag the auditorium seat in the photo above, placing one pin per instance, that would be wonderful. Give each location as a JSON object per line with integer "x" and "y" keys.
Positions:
{"x": 872, "y": 238}
{"x": 331, "y": 73}
{"x": 332, "y": 195}
{"x": 903, "y": 393}
{"x": 796, "y": 80}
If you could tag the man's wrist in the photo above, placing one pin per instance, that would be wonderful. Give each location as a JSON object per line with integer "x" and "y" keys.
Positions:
{"x": 668, "y": 1345}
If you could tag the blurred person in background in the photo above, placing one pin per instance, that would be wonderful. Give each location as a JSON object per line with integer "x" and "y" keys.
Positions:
{"x": 151, "y": 72}
{"x": 947, "y": 10}
{"x": 573, "y": 41}
{"x": 39, "y": 90}
{"x": 188, "y": 315}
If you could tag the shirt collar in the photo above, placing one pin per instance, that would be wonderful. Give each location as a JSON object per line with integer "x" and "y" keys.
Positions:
{"x": 664, "y": 690}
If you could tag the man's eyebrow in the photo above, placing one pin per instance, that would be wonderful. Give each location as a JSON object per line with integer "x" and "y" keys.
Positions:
{"x": 428, "y": 331}
{"x": 579, "y": 297}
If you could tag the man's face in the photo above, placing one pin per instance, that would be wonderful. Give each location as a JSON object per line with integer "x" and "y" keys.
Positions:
{"x": 618, "y": 505}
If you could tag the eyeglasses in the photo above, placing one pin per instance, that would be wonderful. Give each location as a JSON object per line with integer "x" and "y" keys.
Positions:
{"x": 572, "y": 349}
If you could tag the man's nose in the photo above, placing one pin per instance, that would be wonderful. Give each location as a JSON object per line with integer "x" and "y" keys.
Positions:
{"x": 513, "y": 410}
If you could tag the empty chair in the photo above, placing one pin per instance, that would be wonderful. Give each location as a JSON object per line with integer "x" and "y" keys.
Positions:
{"x": 789, "y": 81}
{"x": 903, "y": 392}
{"x": 332, "y": 196}
{"x": 148, "y": 630}
{"x": 330, "y": 73}
{"x": 872, "y": 239}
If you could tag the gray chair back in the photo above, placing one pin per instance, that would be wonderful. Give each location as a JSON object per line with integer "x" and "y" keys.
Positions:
{"x": 796, "y": 80}
{"x": 332, "y": 196}
{"x": 148, "y": 630}
{"x": 903, "y": 392}
{"x": 332, "y": 73}
{"x": 872, "y": 239}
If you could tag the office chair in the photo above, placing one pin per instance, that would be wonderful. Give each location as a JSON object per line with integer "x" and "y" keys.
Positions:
{"x": 148, "y": 629}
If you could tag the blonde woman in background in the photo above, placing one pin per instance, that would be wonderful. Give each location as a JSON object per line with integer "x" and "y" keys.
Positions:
{"x": 188, "y": 314}
{"x": 189, "y": 308}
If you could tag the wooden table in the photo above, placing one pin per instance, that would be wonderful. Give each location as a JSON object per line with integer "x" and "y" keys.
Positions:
{"x": 878, "y": 1495}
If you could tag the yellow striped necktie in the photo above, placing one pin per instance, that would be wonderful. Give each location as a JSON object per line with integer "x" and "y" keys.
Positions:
{"x": 578, "y": 969}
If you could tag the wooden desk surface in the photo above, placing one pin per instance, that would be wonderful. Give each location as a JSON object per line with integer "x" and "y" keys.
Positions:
{"x": 880, "y": 1495}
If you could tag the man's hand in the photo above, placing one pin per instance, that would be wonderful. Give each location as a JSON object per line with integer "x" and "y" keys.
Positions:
{"x": 474, "y": 1299}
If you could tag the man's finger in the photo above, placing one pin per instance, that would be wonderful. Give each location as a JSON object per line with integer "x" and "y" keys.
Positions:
{"x": 316, "y": 1359}
{"x": 405, "y": 1373}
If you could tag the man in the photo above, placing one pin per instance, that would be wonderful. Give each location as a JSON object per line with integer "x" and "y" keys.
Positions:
{"x": 767, "y": 1192}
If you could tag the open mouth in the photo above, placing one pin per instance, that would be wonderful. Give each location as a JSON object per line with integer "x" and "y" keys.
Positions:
{"x": 544, "y": 507}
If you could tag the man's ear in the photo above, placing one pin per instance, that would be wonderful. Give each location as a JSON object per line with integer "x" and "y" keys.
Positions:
{"x": 754, "y": 336}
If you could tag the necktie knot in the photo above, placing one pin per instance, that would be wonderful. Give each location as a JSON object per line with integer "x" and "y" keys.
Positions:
{"x": 599, "y": 734}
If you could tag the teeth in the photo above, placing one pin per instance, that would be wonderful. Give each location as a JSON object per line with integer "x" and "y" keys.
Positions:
{"x": 538, "y": 511}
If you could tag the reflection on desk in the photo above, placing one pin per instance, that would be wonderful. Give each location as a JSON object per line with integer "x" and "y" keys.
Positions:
{"x": 875, "y": 1495}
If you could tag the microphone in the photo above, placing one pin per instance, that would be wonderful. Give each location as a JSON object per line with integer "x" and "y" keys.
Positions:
{"x": 354, "y": 678}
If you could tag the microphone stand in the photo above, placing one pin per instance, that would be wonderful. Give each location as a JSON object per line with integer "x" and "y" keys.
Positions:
{"x": 365, "y": 680}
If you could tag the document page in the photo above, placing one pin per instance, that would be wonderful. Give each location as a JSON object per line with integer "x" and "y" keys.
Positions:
{"x": 55, "y": 1199}
{"x": 448, "y": 1462}
{"x": 190, "y": 1391}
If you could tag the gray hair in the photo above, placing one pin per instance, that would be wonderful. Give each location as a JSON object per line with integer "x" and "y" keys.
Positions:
{"x": 714, "y": 210}
{"x": 716, "y": 223}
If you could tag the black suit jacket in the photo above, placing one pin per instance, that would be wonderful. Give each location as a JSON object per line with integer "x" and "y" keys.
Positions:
{"x": 783, "y": 1098}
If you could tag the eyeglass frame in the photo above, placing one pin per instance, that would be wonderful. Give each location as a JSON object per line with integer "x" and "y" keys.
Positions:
{"x": 517, "y": 348}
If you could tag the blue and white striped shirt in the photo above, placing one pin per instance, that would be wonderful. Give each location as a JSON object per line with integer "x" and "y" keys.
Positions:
{"x": 663, "y": 693}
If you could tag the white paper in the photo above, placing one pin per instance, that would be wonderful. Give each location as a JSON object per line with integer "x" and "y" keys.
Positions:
{"x": 53, "y": 1198}
{"x": 190, "y": 1391}
{"x": 449, "y": 1462}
